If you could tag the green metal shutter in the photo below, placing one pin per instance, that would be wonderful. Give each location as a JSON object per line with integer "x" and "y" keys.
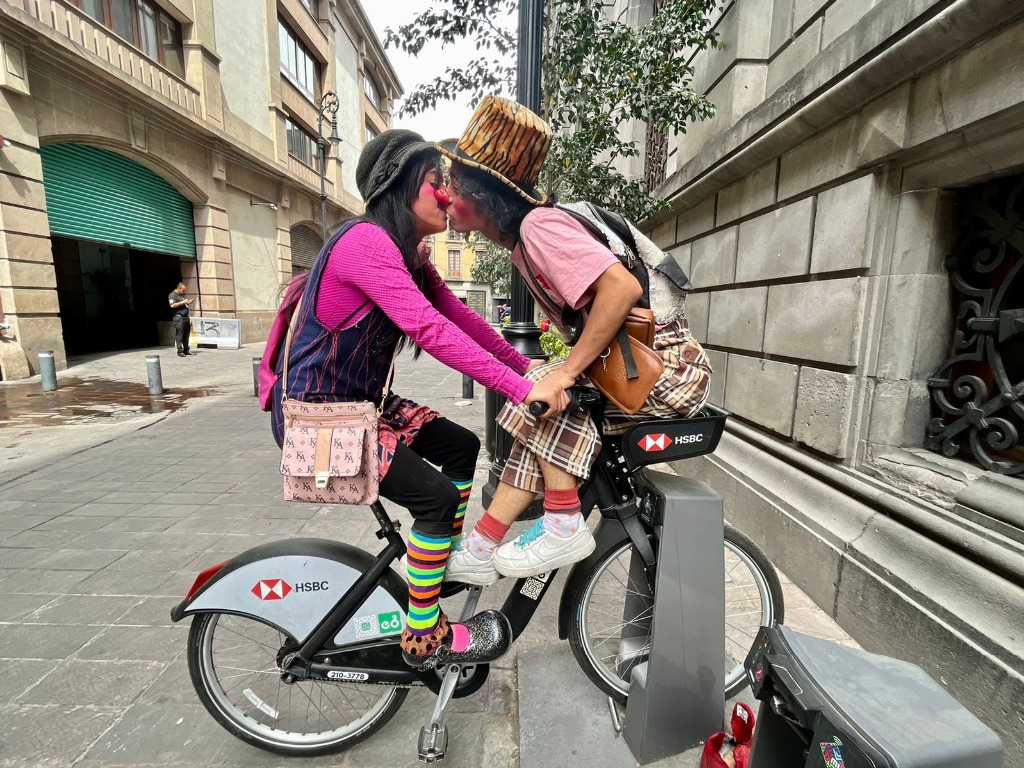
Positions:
{"x": 92, "y": 194}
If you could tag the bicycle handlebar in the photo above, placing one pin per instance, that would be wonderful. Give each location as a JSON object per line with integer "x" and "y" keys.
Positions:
{"x": 578, "y": 396}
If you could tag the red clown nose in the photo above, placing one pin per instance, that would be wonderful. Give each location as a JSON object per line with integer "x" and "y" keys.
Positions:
{"x": 442, "y": 197}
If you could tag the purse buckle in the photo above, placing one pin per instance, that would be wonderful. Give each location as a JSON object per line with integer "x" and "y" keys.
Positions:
{"x": 322, "y": 478}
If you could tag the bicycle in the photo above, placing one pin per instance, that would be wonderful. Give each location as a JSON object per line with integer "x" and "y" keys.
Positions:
{"x": 305, "y": 625}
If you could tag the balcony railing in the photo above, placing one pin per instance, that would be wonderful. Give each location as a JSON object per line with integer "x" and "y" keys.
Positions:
{"x": 97, "y": 39}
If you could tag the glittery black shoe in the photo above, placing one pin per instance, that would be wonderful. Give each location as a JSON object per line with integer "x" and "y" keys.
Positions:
{"x": 483, "y": 638}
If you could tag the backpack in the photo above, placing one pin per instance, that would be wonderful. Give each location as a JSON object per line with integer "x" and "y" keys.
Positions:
{"x": 663, "y": 264}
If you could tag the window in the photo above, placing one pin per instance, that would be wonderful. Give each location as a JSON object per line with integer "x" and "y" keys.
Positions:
{"x": 297, "y": 63}
{"x": 453, "y": 235}
{"x": 371, "y": 133}
{"x": 301, "y": 145}
{"x": 142, "y": 24}
{"x": 309, "y": 5}
{"x": 455, "y": 263}
{"x": 372, "y": 91}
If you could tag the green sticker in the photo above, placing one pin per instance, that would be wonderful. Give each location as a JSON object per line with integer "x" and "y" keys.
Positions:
{"x": 390, "y": 622}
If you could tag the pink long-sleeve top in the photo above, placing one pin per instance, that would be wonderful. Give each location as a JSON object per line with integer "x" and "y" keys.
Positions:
{"x": 366, "y": 264}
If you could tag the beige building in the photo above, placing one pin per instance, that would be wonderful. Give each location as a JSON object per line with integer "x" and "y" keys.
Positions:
{"x": 147, "y": 141}
{"x": 453, "y": 254}
{"x": 853, "y": 219}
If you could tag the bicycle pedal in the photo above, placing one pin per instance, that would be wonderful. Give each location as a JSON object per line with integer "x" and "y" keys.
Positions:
{"x": 433, "y": 743}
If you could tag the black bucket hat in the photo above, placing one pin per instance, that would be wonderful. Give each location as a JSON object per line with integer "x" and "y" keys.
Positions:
{"x": 385, "y": 157}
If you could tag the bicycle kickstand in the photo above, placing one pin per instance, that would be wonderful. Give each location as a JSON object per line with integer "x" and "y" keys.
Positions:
{"x": 433, "y": 741}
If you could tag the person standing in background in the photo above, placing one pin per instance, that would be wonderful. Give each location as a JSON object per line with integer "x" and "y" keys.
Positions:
{"x": 182, "y": 325}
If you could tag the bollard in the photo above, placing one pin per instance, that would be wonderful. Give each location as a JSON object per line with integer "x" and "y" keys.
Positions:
{"x": 156, "y": 383}
{"x": 467, "y": 387}
{"x": 48, "y": 371}
{"x": 256, "y": 377}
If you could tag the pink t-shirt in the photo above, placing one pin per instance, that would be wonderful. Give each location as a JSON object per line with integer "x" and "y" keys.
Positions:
{"x": 366, "y": 265}
{"x": 562, "y": 256}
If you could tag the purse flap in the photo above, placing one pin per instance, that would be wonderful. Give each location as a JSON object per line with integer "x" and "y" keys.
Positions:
{"x": 326, "y": 451}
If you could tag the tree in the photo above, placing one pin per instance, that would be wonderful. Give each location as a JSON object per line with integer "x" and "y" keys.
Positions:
{"x": 598, "y": 75}
{"x": 493, "y": 265}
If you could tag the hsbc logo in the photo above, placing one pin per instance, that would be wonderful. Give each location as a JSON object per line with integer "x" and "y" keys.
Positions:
{"x": 272, "y": 589}
{"x": 661, "y": 441}
{"x": 653, "y": 443}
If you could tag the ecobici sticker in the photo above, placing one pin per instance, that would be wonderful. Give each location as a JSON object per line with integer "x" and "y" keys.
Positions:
{"x": 377, "y": 625}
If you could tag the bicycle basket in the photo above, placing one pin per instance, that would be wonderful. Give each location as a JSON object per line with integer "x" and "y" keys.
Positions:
{"x": 653, "y": 442}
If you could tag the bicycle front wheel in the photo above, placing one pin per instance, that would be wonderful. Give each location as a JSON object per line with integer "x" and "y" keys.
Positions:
{"x": 233, "y": 661}
{"x": 610, "y": 632}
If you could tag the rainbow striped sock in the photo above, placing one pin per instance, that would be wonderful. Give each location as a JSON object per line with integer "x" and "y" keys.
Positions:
{"x": 428, "y": 556}
{"x": 465, "y": 488}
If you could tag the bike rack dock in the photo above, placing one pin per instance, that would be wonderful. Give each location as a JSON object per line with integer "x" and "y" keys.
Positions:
{"x": 676, "y": 698}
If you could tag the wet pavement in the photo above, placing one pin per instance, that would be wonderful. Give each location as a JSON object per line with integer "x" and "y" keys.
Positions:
{"x": 82, "y": 401}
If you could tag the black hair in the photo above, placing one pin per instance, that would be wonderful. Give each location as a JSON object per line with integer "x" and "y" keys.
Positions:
{"x": 495, "y": 199}
{"x": 391, "y": 210}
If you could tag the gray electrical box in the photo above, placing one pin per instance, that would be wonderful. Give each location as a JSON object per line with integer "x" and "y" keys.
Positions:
{"x": 827, "y": 706}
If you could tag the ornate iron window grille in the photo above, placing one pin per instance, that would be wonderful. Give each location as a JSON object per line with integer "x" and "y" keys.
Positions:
{"x": 978, "y": 392}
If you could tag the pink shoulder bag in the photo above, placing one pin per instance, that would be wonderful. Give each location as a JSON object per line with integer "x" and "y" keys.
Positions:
{"x": 330, "y": 449}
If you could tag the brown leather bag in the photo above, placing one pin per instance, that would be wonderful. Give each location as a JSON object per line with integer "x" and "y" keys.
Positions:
{"x": 627, "y": 380}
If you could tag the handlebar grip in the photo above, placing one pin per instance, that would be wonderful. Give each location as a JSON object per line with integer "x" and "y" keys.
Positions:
{"x": 538, "y": 408}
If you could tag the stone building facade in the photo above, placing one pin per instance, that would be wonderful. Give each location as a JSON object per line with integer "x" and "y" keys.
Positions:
{"x": 853, "y": 219}
{"x": 123, "y": 120}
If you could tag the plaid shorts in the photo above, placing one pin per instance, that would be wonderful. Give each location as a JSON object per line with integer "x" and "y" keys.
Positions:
{"x": 570, "y": 441}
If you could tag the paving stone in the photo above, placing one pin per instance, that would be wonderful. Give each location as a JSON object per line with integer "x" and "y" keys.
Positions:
{"x": 43, "y": 582}
{"x": 75, "y": 523}
{"x": 112, "y": 582}
{"x": 105, "y": 509}
{"x": 159, "y": 644}
{"x": 47, "y": 641}
{"x": 110, "y": 685}
{"x": 176, "y": 511}
{"x": 181, "y": 542}
{"x": 19, "y": 677}
{"x": 103, "y": 539}
{"x": 14, "y": 557}
{"x": 152, "y": 612}
{"x": 42, "y": 539}
{"x": 153, "y": 560}
{"x": 10, "y": 522}
{"x": 139, "y": 524}
{"x": 16, "y": 606}
{"x": 98, "y": 610}
{"x": 78, "y": 559}
{"x": 27, "y": 733}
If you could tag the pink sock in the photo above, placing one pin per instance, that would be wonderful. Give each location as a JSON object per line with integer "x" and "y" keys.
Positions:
{"x": 562, "y": 512}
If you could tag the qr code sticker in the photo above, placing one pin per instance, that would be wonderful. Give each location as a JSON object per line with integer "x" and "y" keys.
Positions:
{"x": 366, "y": 626}
{"x": 532, "y": 588}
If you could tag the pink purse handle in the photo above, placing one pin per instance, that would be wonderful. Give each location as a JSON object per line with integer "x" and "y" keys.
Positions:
{"x": 288, "y": 347}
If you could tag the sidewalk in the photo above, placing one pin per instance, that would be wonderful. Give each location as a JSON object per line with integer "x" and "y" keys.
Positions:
{"x": 103, "y": 527}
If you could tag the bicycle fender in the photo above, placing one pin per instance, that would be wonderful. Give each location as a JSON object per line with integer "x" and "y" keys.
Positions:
{"x": 293, "y": 584}
{"x": 609, "y": 534}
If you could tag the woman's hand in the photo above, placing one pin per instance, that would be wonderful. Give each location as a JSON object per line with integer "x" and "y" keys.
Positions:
{"x": 551, "y": 390}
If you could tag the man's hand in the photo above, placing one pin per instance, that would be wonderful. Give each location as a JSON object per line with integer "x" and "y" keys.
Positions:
{"x": 535, "y": 364}
{"x": 551, "y": 390}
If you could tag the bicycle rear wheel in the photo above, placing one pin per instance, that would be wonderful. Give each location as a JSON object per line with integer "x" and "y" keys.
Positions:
{"x": 233, "y": 661}
{"x": 610, "y": 632}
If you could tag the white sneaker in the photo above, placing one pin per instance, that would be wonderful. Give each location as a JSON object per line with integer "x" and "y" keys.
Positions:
{"x": 463, "y": 567}
{"x": 467, "y": 568}
{"x": 539, "y": 551}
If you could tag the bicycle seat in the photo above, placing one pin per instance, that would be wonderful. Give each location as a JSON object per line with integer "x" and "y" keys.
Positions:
{"x": 652, "y": 442}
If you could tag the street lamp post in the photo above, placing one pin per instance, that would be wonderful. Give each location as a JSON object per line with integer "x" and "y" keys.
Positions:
{"x": 522, "y": 333}
{"x": 328, "y": 108}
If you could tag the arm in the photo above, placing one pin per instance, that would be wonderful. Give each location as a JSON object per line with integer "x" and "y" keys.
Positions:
{"x": 615, "y": 293}
{"x": 473, "y": 325}
{"x": 367, "y": 259}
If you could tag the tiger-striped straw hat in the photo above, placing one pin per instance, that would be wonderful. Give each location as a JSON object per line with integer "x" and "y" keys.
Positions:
{"x": 506, "y": 140}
